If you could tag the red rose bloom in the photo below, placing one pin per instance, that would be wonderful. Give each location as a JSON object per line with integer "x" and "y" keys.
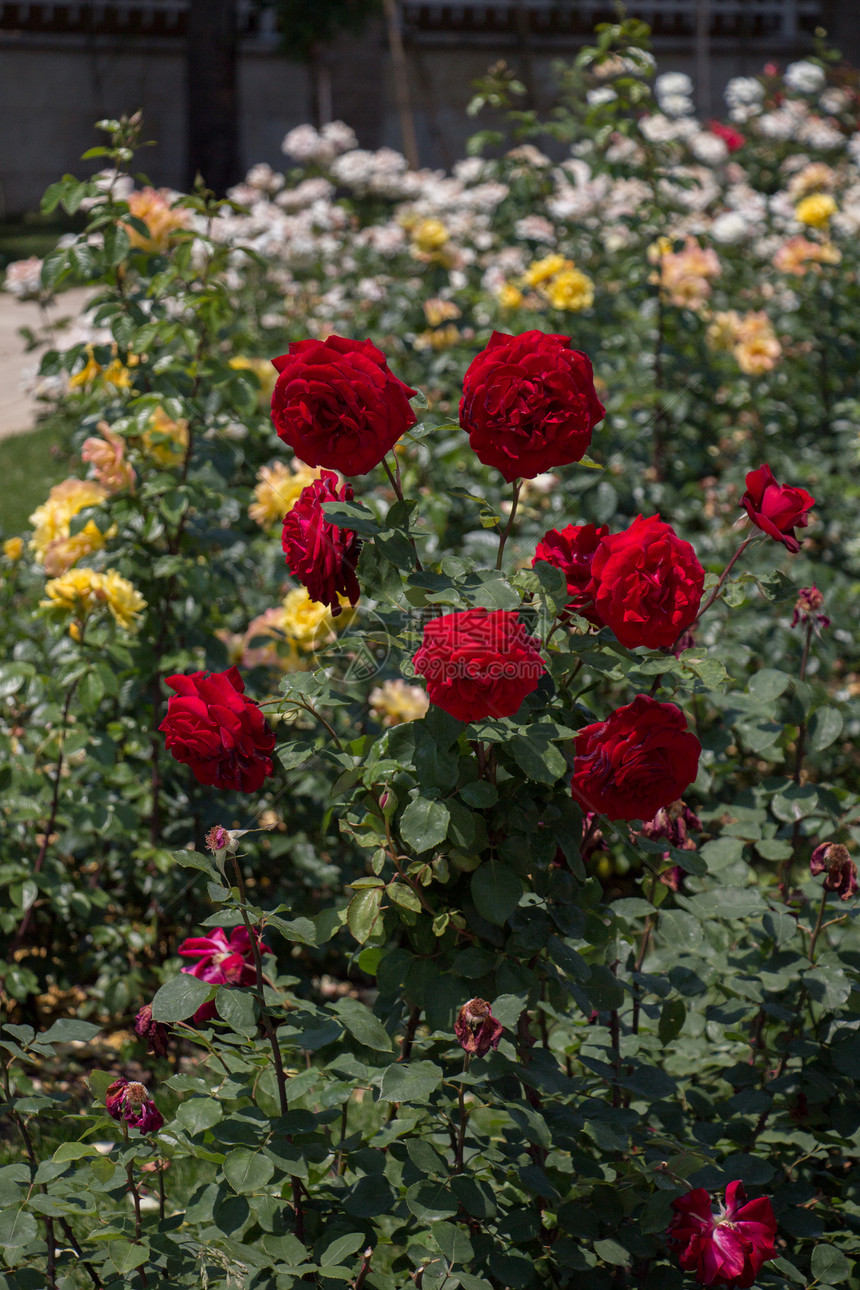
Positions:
{"x": 529, "y": 403}
{"x": 320, "y": 554}
{"x": 727, "y": 1248}
{"x": 775, "y": 508}
{"x": 733, "y": 139}
{"x": 479, "y": 663}
{"x": 337, "y": 404}
{"x": 476, "y": 1028}
{"x": 646, "y": 583}
{"x": 211, "y": 727}
{"x": 641, "y": 758}
{"x": 572, "y": 550}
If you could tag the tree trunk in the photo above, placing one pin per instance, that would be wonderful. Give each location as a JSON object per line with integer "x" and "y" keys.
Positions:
{"x": 213, "y": 94}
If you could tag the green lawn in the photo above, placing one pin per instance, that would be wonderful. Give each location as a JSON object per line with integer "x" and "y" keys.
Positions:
{"x": 30, "y": 464}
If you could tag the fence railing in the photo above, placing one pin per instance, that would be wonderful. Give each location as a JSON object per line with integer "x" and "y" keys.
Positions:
{"x": 157, "y": 17}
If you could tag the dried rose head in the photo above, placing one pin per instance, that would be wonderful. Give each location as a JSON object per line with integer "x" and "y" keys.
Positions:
{"x": 154, "y": 1032}
{"x": 476, "y": 1028}
{"x": 834, "y": 860}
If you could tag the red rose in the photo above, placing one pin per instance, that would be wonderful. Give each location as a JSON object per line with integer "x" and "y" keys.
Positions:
{"x": 479, "y": 663}
{"x": 572, "y": 549}
{"x": 646, "y": 583}
{"x": 337, "y": 404}
{"x": 222, "y": 962}
{"x": 776, "y": 508}
{"x": 733, "y": 139}
{"x": 726, "y": 1249}
{"x": 211, "y": 727}
{"x": 529, "y": 403}
{"x": 639, "y": 759}
{"x": 320, "y": 554}
{"x": 130, "y": 1101}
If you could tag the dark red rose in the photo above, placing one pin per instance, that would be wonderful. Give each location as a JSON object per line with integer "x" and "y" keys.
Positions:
{"x": 809, "y": 608}
{"x": 478, "y": 663}
{"x": 641, "y": 758}
{"x": 572, "y": 549}
{"x": 320, "y": 554}
{"x": 834, "y": 860}
{"x": 646, "y": 583}
{"x": 727, "y": 1248}
{"x": 529, "y": 403}
{"x": 211, "y": 727}
{"x": 131, "y": 1102}
{"x": 221, "y": 962}
{"x": 733, "y": 139}
{"x": 776, "y": 509}
{"x": 154, "y": 1032}
{"x": 337, "y": 404}
{"x": 476, "y": 1028}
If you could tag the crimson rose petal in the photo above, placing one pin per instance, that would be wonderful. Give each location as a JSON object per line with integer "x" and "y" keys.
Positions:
{"x": 726, "y": 1249}
{"x": 641, "y": 758}
{"x": 529, "y": 403}
{"x": 572, "y": 549}
{"x": 337, "y": 403}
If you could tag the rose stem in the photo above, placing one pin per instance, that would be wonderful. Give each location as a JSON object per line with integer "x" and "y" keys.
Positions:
{"x": 395, "y": 484}
{"x": 464, "y": 1120}
{"x": 515, "y": 497}
{"x": 800, "y": 747}
{"x": 272, "y": 1037}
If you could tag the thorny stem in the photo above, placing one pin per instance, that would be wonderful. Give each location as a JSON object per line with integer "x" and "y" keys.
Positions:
{"x": 464, "y": 1119}
{"x": 722, "y": 578}
{"x": 364, "y": 1269}
{"x": 817, "y": 929}
{"x": 73, "y": 1241}
{"x": 271, "y": 1035}
{"x": 340, "y": 1158}
{"x": 135, "y": 1198}
{"x": 640, "y": 957}
{"x": 52, "y": 817}
{"x": 515, "y": 497}
{"x": 799, "y": 751}
{"x": 21, "y": 1124}
{"x": 409, "y": 1034}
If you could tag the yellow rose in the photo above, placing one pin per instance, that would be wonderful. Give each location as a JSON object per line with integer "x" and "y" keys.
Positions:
{"x": 571, "y": 290}
{"x": 815, "y": 210}
{"x": 429, "y": 235}
{"x": 13, "y": 549}
{"x": 541, "y": 270}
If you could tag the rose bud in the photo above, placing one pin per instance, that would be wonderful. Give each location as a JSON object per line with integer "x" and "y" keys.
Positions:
{"x": 337, "y": 404}
{"x": 529, "y": 404}
{"x": 727, "y": 1248}
{"x": 131, "y": 1102}
{"x": 810, "y": 603}
{"x": 641, "y": 758}
{"x": 154, "y": 1032}
{"x": 775, "y": 508}
{"x": 476, "y": 1028}
{"x": 213, "y": 728}
{"x": 320, "y": 554}
{"x": 834, "y": 860}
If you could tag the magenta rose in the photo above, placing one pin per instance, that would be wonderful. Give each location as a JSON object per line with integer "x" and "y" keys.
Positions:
{"x": 223, "y": 736}
{"x": 529, "y": 403}
{"x": 641, "y": 758}
{"x": 320, "y": 554}
{"x": 337, "y": 404}
{"x": 728, "y": 1248}
{"x": 479, "y": 663}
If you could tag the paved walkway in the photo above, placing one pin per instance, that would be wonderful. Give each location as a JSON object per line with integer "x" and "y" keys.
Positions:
{"x": 17, "y": 410}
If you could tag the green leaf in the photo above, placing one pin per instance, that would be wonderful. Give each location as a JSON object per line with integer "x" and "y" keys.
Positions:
{"x": 127, "y": 1255}
{"x": 68, "y": 1151}
{"x": 829, "y": 1264}
{"x": 424, "y": 824}
{"x": 537, "y": 756}
{"x": 247, "y": 1171}
{"x": 496, "y": 891}
{"x": 362, "y": 1025}
{"x": 410, "y": 1082}
{"x": 768, "y": 684}
{"x": 341, "y": 1249}
{"x": 239, "y": 1009}
{"x": 199, "y": 1113}
{"x": 453, "y": 1242}
{"x": 68, "y": 1031}
{"x": 180, "y": 998}
{"x": 612, "y": 1252}
{"x": 17, "y": 1227}
{"x": 673, "y": 1014}
{"x": 431, "y": 1200}
{"x": 824, "y": 728}
{"x": 363, "y": 913}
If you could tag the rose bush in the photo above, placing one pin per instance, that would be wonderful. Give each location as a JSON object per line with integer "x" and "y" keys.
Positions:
{"x": 475, "y": 999}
